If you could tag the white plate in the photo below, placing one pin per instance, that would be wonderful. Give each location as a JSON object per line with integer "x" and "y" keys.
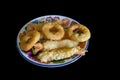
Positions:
{"x": 50, "y": 65}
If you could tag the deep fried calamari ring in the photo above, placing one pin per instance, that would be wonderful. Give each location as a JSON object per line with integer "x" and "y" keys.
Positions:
{"x": 29, "y": 40}
{"x": 79, "y": 32}
{"x": 53, "y": 31}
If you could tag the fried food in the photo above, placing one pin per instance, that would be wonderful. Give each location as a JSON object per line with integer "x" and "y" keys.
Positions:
{"x": 54, "y": 38}
{"x": 53, "y": 31}
{"x": 32, "y": 26}
{"x": 79, "y": 32}
{"x": 29, "y": 40}
{"x": 21, "y": 35}
{"x": 48, "y": 45}
{"x": 58, "y": 54}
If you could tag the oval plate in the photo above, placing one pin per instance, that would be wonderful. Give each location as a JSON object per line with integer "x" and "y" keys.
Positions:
{"x": 50, "y": 65}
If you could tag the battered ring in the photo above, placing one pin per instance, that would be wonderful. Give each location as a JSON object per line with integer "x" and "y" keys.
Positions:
{"x": 56, "y": 34}
{"x": 79, "y": 32}
{"x": 29, "y": 40}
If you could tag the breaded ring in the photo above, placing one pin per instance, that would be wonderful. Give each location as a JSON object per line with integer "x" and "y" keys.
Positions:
{"x": 53, "y": 31}
{"x": 29, "y": 40}
{"x": 78, "y": 32}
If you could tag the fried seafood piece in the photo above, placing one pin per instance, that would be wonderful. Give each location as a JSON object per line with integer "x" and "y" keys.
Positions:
{"x": 33, "y": 26}
{"x": 66, "y": 43}
{"x": 21, "y": 35}
{"x": 53, "y": 31}
{"x": 79, "y": 32}
{"x": 29, "y": 39}
{"x": 58, "y": 54}
{"x": 37, "y": 27}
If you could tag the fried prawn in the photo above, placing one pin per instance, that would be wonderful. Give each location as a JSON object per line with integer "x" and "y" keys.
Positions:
{"x": 48, "y": 45}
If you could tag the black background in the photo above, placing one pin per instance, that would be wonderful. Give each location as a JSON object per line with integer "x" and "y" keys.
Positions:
{"x": 88, "y": 66}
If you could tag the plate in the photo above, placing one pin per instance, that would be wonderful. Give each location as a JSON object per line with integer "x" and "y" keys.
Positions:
{"x": 27, "y": 55}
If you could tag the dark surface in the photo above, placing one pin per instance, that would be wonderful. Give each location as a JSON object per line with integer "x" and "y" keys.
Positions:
{"x": 86, "y": 66}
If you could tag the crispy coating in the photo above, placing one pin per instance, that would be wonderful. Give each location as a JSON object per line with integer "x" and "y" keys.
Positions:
{"x": 78, "y": 32}
{"x": 57, "y": 54}
{"x": 29, "y": 40}
{"x": 66, "y": 43}
{"x": 53, "y": 31}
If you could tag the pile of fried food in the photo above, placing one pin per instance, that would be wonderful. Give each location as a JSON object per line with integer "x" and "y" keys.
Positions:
{"x": 53, "y": 40}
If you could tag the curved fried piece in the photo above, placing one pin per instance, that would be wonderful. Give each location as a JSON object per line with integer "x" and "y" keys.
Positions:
{"x": 58, "y": 54}
{"x": 66, "y": 43}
